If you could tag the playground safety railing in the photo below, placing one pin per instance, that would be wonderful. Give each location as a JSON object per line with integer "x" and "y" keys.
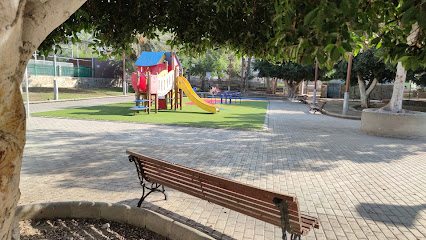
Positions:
{"x": 165, "y": 84}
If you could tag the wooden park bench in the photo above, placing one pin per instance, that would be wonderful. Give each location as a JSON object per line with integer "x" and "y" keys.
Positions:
{"x": 317, "y": 108}
{"x": 302, "y": 99}
{"x": 272, "y": 207}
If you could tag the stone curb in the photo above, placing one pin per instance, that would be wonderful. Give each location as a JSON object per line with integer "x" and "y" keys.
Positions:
{"x": 266, "y": 121}
{"x": 75, "y": 99}
{"x": 138, "y": 217}
{"x": 340, "y": 115}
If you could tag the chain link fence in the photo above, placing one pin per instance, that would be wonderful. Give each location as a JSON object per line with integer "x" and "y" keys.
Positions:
{"x": 48, "y": 70}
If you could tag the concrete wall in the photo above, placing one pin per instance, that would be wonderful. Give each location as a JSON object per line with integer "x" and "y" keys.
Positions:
{"x": 395, "y": 125}
{"x": 138, "y": 217}
{"x": 71, "y": 82}
{"x": 379, "y": 92}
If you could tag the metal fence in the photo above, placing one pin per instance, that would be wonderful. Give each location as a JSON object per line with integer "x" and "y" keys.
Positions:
{"x": 48, "y": 70}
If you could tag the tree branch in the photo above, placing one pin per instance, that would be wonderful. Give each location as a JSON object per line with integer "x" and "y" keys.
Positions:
{"x": 40, "y": 19}
{"x": 372, "y": 86}
{"x": 7, "y": 13}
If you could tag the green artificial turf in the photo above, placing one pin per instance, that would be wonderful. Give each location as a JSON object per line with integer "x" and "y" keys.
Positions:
{"x": 247, "y": 115}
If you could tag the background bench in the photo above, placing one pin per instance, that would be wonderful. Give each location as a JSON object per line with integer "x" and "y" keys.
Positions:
{"x": 272, "y": 207}
{"x": 302, "y": 98}
{"x": 317, "y": 108}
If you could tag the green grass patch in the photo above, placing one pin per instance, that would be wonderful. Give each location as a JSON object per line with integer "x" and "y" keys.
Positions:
{"x": 247, "y": 115}
{"x": 44, "y": 93}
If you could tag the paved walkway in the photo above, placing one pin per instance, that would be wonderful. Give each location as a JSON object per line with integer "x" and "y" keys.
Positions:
{"x": 361, "y": 187}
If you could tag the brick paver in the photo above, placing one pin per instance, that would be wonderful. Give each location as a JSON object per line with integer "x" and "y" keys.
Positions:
{"x": 360, "y": 186}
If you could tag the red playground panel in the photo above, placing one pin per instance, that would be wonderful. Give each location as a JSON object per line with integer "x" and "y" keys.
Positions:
{"x": 162, "y": 103}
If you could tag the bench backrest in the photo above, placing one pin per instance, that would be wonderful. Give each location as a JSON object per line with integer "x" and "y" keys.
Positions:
{"x": 246, "y": 199}
{"x": 321, "y": 104}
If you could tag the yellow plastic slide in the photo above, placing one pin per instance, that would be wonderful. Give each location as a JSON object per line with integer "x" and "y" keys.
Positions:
{"x": 187, "y": 89}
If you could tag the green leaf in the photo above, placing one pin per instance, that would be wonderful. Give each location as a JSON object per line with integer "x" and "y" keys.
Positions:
{"x": 344, "y": 5}
{"x": 379, "y": 45}
{"x": 319, "y": 20}
{"x": 335, "y": 54}
{"x": 356, "y": 51}
{"x": 306, "y": 60}
{"x": 414, "y": 64}
{"x": 329, "y": 47}
{"x": 345, "y": 33}
{"x": 310, "y": 16}
{"x": 334, "y": 35}
{"x": 347, "y": 46}
{"x": 341, "y": 50}
{"x": 407, "y": 65}
{"x": 421, "y": 18}
{"x": 403, "y": 58}
{"x": 406, "y": 5}
{"x": 321, "y": 58}
{"x": 409, "y": 15}
{"x": 375, "y": 41}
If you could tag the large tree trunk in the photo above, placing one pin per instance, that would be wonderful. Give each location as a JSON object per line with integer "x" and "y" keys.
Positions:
{"x": 395, "y": 104}
{"x": 247, "y": 74}
{"x": 285, "y": 88}
{"x": 268, "y": 85}
{"x": 293, "y": 87}
{"x": 203, "y": 85}
{"x": 364, "y": 92}
{"x": 23, "y": 26}
{"x": 275, "y": 85}
{"x": 242, "y": 74}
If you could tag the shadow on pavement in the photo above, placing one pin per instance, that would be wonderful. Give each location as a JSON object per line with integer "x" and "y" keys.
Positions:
{"x": 184, "y": 220}
{"x": 390, "y": 214}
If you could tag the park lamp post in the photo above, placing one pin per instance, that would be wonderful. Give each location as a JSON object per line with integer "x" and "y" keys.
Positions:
{"x": 55, "y": 80}
{"x": 348, "y": 79}
{"x": 124, "y": 75}
{"x": 314, "y": 100}
{"x": 229, "y": 77}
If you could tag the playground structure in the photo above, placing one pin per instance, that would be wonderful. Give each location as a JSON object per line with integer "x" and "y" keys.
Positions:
{"x": 159, "y": 80}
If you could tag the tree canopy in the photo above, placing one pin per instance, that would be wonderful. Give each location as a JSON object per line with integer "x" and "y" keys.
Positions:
{"x": 367, "y": 71}
{"x": 417, "y": 76}
{"x": 366, "y": 66}
{"x": 286, "y": 30}
{"x": 214, "y": 61}
{"x": 292, "y": 73}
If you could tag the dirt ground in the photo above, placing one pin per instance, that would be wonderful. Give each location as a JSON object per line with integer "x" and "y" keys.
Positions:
{"x": 76, "y": 229}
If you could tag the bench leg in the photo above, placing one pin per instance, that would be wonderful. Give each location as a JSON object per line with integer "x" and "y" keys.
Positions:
{"x": 295, "y": 237}
{"x": 285, "y": 217}
{"x": 154, "y": 188}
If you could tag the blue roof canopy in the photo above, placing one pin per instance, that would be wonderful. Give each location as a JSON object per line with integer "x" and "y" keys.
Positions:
{"x": 169, "y": 58}
{"x": 148, "y": 59}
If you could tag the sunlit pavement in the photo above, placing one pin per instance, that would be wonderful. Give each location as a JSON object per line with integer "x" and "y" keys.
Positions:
{"x": 360, "y": 186}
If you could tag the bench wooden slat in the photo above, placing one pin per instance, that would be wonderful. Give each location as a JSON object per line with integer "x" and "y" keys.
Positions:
{"x": 266, "y": 206}
{"x": 184, "y": 189}
{"x": 192, "y": 186}
{"x": 225, "y": 183}
{"x": 240, "y": 197}
{"x": 269, "y": 203}
{"x": 311, "y": 220}
{"x": 195, "y": 183}
{"x": 223, "y": 198}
